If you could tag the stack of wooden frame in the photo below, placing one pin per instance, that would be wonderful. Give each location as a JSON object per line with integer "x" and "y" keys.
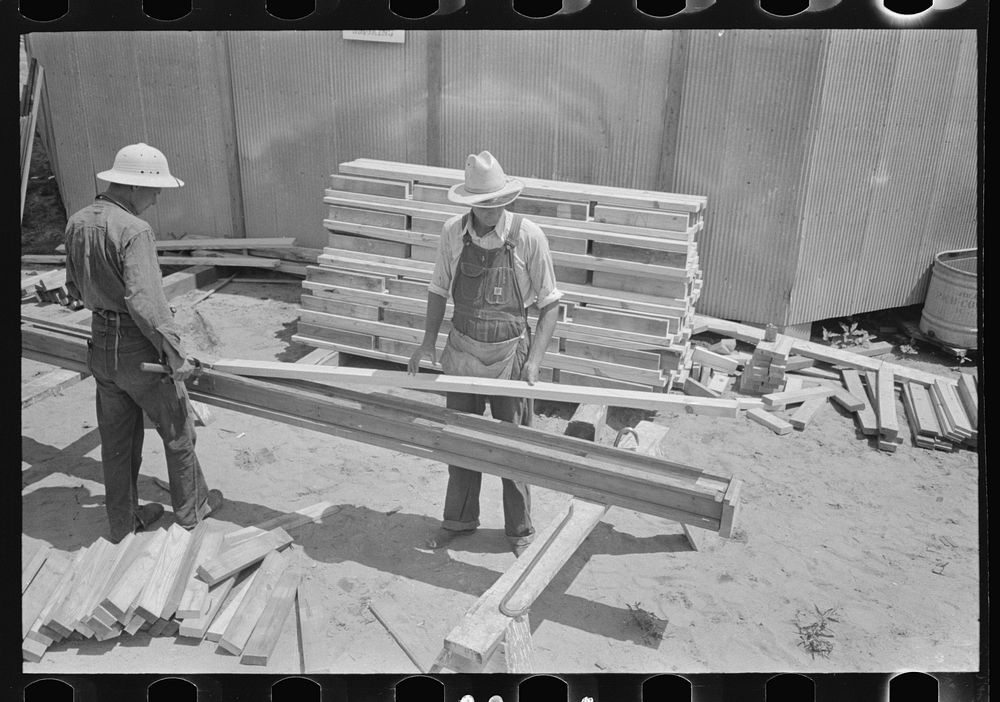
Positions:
{"x": 236, "y": 588}
{"x": 626, "y": 261}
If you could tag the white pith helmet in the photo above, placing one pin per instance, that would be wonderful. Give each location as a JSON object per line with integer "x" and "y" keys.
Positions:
{"x": 141, "y": 164}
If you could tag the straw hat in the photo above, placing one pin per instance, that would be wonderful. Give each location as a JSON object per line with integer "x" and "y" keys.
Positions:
{"x": 141, "y": 164}
{"x": 485, "y": 184}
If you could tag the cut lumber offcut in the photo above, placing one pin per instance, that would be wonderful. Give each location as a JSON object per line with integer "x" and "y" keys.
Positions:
{"x": 814, "y": 372}
{"x": 48, "y": 384}
{"x": 805, "y": 412}
{"x": 34, "y": 564}
{"x": 790, "y": 397}
{"x": 313, "y": 625}
{"x": 769, "y": 420}
{"x": 816, "y": 351}
{"x": 102, "y": 581}
{"x": 719, "y": 382}
{"x": 693, "y": 387}
{"x": 64, "y": 620}
{"x": 798, "y": 363}
{"x": 969, "y": 395}
{"x": 153, "y": 598}
{"x": 197, "y": 627}
{"x": 848, "y": 401}
{"x": 231, "y": 602}
{"x": 885, "y": 391}
{"x": 867, "y": 421}
{"x": 127, "y": 589}
{"x": 587, "y": 421}
{"x": 41, "y": 588}
{"x": 484, "y": 386}
{"x": 289, "y": 521}
{"x": 42, "y": 628}
{"x": 194, "y": 597}
{"x": 248, "y": 613}
{"x": 260, "y": 645}
{"x": 242, "y": 555}
{"x": 185, "y": 569}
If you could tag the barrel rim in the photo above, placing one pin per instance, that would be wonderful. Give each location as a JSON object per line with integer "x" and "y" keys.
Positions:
{"x": 955, "y": 254}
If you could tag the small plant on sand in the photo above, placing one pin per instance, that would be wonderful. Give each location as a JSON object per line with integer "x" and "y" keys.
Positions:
{"x": 647, "y": 622}
{"x": 849, "y": 335}
{"x": 814, "y": 630}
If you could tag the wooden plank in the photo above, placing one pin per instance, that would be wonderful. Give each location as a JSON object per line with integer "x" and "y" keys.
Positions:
{"x": 813, "y": 372}
{"x": 653, "y": 219}
{"x": 189, "y": 243}
{"x": 292, "y": 520}
{"x": 927, "y": 421}
{"x": 487, "y": 386}
{"x": 805, "y": 412}
{"x": 264, "y": 638}
{"x": 676, "y": 288}
{"x": 888, "y": 423}
{"x": 197, "y": 627}
{"x": 776, "y": 424}
{"x": 127, "y": 589}
{"x": 185, "y": 569}
{"x": 313, "y": 627}
{"x": 790, "y": 397}
{"x": 101, "y": 582}
{"x": 194, "y": 597}
{"x": 848, "y": 401}
{"x": 693, "y": 387}
{"x": 370, "y": 217}
{"x": 248, "y": 613}
{"x": 867, "y": 421}
{"x": 477, "y": 635}
{"x": 347, "y": 279}
{"x": 41, "y": 587}
{"x": 153, "y": 598}
{"x": 622, "y": 321}
{"x": 610, "y": 354}
{"x": 372, "y": 186}
{"x": 64, "y": 619}
{"x": 969, "y": 395}
{"x": 388, "y": 616}
{"x": 220, "y": 260}
{"x": 336, "y": 336}
{"x": 242, "y": 555}
{"x": 532, "y": 186}
{"x": 953, "y": 406}
{"x": 41, "y": 627}
{"x": 714, "y": 360}
{"x": 586, "y": 421}
{"x": 353, "y": 244}
{"x": 231, "y": 602}
{"x": 341, "y": 307}
{"x": 33, "y": 565}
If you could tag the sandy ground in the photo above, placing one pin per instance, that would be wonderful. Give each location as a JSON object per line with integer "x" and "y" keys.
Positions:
{"x": 888, "y": 541}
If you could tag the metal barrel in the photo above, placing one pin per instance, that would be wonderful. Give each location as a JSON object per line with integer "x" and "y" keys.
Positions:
{"x": 950, "y": 307}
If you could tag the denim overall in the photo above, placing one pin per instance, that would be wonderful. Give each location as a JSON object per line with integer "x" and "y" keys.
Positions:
{"x": 490, "y": 337}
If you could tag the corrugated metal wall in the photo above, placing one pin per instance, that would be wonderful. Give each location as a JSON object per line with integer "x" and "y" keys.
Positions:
{"x": 108, "y": 90}
{"x": 892, "y": 178}
{"x": 836, "y": 163}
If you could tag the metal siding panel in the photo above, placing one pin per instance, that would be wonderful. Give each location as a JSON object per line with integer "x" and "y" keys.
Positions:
{"x": 743, "y": 140}
{"x": 307, "y": 101}
{"x": 839, "y": 192}
{"x": 111, "y": 89}
{"x": 567, "y": 105}
{"x": 906, "y": 172}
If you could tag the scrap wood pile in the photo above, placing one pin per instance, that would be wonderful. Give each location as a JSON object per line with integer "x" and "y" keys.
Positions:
{"x": 234, "y": 588}
{"x": 797, "y": 378}
{"x": 47, "y": 287}
{"x": 626, "y": 261}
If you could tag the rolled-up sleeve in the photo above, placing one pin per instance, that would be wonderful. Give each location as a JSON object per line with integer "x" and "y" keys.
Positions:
{"x": 444, "y": 262}
{"x": 144, "y": 297}
{"x": 538, "y": 264}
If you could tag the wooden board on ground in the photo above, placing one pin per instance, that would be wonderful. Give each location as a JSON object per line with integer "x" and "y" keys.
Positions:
{"x": 248, "y": 613}
{"x": 769, "y": 420}
{"x": 888, "y": 423}
{"x": 243, "y": 555}
{"x": 867, "y": 421}
{"x": 260, "y": 645}
{"x": 130, "y": 585}
{"x": 288, "y": 521}
{"x": 154, "y": 596}
{"x": 806, "y": 411}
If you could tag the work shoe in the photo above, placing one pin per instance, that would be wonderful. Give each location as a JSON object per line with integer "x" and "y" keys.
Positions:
{"x": 215, "y": 501}
{"x": 147, "y": 515}
{"x": 442, "y": 537}
{"x": 518, "y": 549}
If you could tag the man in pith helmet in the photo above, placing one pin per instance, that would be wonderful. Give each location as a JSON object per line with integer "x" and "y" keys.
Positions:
{"x": 111, "y": 267}
{"x": 493, "y": 264}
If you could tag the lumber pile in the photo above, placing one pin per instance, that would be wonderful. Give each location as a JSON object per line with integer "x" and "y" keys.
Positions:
{"x": 767, "y": 367}
{"x": 165, "y": 582}
{"x": 46, "y": 287}
{"x": 626, "y": 261}
{"x": 656, "y": 486}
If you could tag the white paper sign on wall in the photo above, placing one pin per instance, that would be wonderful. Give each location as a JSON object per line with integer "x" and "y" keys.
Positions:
{"x": 393, "y": 36}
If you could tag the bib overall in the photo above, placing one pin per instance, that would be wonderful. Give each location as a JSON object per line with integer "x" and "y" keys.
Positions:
{"x": 489, "y": 339}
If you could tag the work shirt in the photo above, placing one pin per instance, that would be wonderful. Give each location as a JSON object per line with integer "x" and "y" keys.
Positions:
{"x": 533, "y": 268}
{"x": 111, "y": 266}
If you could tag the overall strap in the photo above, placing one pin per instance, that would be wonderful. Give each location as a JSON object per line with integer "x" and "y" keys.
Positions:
{"x": 513, "y": 239}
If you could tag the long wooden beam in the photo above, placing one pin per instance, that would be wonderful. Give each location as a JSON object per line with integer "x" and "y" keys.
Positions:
{"x": 663, "y": 488}
{"x": 328, "y": 375}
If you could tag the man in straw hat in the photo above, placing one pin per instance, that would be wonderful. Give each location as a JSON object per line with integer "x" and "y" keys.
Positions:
{"x": 494, "y": 265}
{"x": 111, "y": 266}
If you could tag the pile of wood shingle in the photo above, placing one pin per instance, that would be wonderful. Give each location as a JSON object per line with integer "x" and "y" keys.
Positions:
{"x": 626, "y": 261}
{"x": 235, "y": 588}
